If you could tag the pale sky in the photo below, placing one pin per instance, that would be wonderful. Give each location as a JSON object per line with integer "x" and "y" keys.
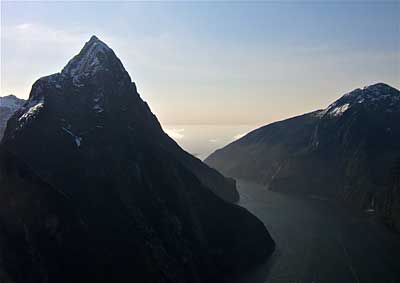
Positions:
{"x": 213, "y": 63}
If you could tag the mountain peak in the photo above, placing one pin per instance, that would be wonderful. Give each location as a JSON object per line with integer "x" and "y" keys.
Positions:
{"x": 369, "y": 96}
{"x": 93, "y": 37}
{"x": 89, "y": 59}
{"x": 94, "y": 72}
{"x": 373, "y": 90}
{"x": 380, "y": 88}
{"x": 378, "y": 85}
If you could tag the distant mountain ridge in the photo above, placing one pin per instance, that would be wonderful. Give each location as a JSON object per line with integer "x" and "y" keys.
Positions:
{"x": 347, "y": 151}
{"x": 8, "y": 105}
{"x": 92, "y": 189}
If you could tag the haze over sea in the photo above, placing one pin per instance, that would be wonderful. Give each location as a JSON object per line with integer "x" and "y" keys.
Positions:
{"x": 202, "y": 140}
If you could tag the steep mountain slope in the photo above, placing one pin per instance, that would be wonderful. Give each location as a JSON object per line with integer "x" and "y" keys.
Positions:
{"x": 94, "y": 191}
{"x": 8, "y": 105}
{"x": 347, "y": 150}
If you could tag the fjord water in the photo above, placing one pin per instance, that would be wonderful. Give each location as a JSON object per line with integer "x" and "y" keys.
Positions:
{"x": 318, "y": 241}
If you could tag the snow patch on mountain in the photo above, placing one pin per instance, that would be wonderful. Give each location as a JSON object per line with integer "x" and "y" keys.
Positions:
{"x": 86, "y": 62}
{"x": 97, "y": 108}
{"x": 77, "y": 139}
{"x": 32, "y": 111}
{"x": 375, "y": 92}
{"x": 338, "y": 111}
{"x": 371, "y": 97}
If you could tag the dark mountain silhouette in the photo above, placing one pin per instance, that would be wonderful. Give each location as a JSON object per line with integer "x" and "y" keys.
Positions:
{"x": 92, "y": 189}
{"x": 8, "y": 105}
{"x": 346, "y": 151}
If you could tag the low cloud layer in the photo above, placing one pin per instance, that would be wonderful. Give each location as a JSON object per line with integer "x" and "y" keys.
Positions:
{"x": 176, "y": 134}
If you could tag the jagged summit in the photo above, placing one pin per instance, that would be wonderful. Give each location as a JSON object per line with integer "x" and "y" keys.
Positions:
{"x": 95, "y": 65}
{"x": 89, "y": 58}
{"x": 94, "y": 57}
{"x": 95, "y": 72}
{"x": 93, "y": 37}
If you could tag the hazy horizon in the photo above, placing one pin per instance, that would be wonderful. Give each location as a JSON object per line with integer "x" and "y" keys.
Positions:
{"x": 212, "y": 72}
{"x": 212, "y": 63}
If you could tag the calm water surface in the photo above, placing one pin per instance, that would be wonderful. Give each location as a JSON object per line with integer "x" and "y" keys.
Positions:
{"x": 318, "y": 241}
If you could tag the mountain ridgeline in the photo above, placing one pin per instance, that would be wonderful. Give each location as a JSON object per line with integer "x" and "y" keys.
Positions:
{"x": 92, "y": 189}
{"x": 8, "y": 105}
{"x": 350, "y": 151}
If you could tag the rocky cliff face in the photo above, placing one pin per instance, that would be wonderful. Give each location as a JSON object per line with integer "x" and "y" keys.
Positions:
{"x": 8, "y": 105}
{"x": 92, "y": 189}
{"x": 347, "y": 150}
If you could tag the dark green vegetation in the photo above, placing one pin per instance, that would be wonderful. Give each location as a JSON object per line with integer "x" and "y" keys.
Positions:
{"x": 92, "y": 190}
{"x": 347, "y": 151}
